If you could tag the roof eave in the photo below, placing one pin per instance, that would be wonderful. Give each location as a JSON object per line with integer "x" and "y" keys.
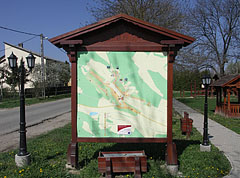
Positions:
{"x": 187, "y": 39}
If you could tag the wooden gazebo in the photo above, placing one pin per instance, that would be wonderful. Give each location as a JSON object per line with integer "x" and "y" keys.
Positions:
{"x": 225, "y": 87}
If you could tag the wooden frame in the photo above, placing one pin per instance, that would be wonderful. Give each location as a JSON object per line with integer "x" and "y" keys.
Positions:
{"x": 127, "y": 34}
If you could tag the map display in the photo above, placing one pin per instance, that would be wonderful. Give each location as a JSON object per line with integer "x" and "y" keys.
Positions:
{"x": 122, "y": 94}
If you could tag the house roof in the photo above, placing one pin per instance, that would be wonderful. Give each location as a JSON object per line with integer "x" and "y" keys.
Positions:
{"x": 2, "y": 59}
{"x": 121, "y": 17}
{"x": 226, "y": 80}
{"x": 28, "y": 51}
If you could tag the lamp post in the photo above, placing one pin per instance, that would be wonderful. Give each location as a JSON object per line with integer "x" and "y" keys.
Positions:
{"x": 206, "y": 81}
{"x": 23, "y": 157}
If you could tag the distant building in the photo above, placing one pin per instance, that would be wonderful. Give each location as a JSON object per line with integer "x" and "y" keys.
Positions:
{"x": 21, "y": 52}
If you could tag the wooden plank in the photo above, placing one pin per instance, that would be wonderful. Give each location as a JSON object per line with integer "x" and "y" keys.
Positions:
{"x": 122, "y": 140}
{"x": 137, "y": 48}
{"x": 71, "y": 42}
{"x": 171, "y": 42}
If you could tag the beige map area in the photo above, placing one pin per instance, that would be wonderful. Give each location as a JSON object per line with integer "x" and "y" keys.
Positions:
{"x": 147, "y": 120}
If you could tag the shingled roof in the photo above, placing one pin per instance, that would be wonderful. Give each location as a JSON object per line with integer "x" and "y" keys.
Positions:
{"x": 225, "y": 80}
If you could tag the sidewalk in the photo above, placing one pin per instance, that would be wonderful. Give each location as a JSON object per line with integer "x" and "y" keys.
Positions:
{"x": 223, "y": 138}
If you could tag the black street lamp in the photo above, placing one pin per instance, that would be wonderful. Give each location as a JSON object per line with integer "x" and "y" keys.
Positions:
{"x": 206, "y": 81}
{"x": 23, "y": 157}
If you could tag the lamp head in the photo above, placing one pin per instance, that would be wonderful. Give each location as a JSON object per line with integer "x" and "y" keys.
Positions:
{"x": 12, "y": 59}
{"x": 30, "y": 61}
{"x": 206, "y": 80}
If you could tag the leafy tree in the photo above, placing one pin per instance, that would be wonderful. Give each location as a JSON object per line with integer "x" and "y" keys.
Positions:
{"x": 215, "y": 24}
{"x": 57, "y": 74}
{"x": 1, "y": 81}
{"x": 64, "y": 75}
{"x": 184, "y": 78}
{"x": 37, "y": 79}
{"x": 12, "y": 77}
{"x": 165, "y": 13}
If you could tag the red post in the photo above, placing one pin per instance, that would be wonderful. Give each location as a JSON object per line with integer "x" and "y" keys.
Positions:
{"x": 195, "y": 88}
{"x": 171, "y": 156}
{"x": 191, "y": 90}
{"x": 72, "y": 154}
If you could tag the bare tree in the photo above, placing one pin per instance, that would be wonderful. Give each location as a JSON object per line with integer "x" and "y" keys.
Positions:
{"x": 233, "y": 68}
{"x": 165, "y": 13}
{"x": 215, "y": 25}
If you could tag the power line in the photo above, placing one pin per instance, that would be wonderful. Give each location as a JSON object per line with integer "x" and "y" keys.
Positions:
{"x": 18, "y": 43}
{"x": 13, "y": 30}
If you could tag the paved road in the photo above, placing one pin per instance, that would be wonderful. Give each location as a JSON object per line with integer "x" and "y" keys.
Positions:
{"x": 223, "y": 138}
{"x": 9, "y": 118}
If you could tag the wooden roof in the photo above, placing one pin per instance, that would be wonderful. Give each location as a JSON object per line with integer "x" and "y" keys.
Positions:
{"x": 228, "y": 80}
{"x": 138, "y": 32}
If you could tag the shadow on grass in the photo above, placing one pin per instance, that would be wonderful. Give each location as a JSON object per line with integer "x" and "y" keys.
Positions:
{"x": 154, "y": 150}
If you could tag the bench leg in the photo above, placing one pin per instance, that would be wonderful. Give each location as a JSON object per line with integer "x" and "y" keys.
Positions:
{"x": 108, "y": 168}
{"x": 137, "y": 173}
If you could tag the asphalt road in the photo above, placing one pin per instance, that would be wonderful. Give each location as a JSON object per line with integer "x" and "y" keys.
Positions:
{"x": 10, "y": 118}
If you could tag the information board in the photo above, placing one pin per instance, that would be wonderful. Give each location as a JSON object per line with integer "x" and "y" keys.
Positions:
{"x": 122, "y": 94}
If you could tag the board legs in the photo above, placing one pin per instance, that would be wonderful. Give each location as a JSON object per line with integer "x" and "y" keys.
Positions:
{"x": 72, "y": 154}
{"x": 171, "y": 154}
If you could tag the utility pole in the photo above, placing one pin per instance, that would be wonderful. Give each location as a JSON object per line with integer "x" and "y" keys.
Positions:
{"x": 42, "y": 68}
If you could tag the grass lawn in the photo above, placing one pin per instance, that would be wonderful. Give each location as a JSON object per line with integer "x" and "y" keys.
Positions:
{"x": 11, "y": 103}
{"x": 48, "y": 154}
{"x": 198, "y": 104}
{"x": 177, "y": 94}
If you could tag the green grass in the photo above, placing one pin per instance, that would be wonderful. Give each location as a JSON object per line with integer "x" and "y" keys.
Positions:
{"x": 11, "y": 103}
{"x": 48, "y": 154}
{"x": 176, "y": 94}
{"x": 198, "y": 104}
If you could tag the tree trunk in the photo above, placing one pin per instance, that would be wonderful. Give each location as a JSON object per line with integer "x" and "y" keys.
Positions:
{"x": 222, "y": 71}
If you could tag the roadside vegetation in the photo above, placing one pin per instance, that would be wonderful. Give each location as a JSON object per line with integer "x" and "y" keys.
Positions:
{"x": 197, "y": 104}
{"x": 15, "y": 102}
{"x": 48, "y": 154}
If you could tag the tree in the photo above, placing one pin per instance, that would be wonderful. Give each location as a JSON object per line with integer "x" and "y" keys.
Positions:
{"x": 57, "y": 74}
{"x": 233, "y": 68}
{"x": 1, "y": 81}
{"x": 37, "y": 79}
{"x": 165, "y": 13}
{"x": 64, "y": 75}
{"x": 12, "y": 76}
{"x": 215, "y": 25}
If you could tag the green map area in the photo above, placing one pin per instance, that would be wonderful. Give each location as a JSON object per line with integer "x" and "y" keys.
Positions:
{"x": 122, "y": 94}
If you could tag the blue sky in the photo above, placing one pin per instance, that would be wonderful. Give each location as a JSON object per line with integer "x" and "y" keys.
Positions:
{"x": 50, "y": 17}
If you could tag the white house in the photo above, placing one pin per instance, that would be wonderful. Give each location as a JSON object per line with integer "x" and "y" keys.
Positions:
{"x": 20, "y": 53}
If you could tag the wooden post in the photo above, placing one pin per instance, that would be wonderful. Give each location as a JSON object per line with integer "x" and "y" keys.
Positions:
{"x": 229, "y": 106}
{"x": 220, "y": 95}
{"x": 224, "y": 100}
{"x": 238, "y": 92}
{"x": 171, "y": 156}
{"x": 195, "y": 89}
{"x": 108, "y": 168}
{"x": 191, "y": 90}
{"x": 72, "y": 155}
{"x": 217, "y": 99}
{"x": 212, "y": 91}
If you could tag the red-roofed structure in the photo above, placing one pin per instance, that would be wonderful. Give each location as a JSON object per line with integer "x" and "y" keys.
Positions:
{"x": 226, "y": 86}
